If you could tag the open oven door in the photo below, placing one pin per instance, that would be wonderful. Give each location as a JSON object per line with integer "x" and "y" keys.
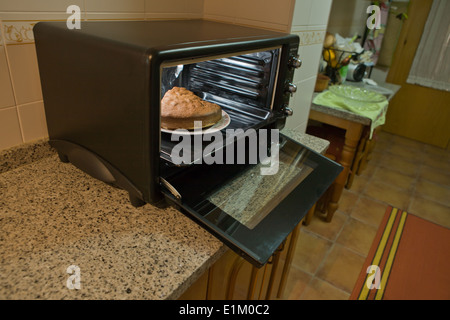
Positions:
{"x": 251, "y": 212}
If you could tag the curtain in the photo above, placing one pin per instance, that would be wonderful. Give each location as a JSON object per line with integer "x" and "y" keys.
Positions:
{"x": 431, "y": 65}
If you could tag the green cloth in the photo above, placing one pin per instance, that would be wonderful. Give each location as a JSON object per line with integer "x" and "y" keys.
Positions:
{"x": 376, "y": 112}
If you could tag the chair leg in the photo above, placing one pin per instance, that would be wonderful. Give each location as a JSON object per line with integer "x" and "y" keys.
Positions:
{"x": 309, "y": 215}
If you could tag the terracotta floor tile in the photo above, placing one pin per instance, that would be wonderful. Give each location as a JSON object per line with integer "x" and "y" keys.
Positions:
{"x": 402, "y": 165}
{"x": 436, "y": 162}
{"x": 388, "y": 194}
{"x": 369, "y": 211}
{"x": 347, "y": 201}
{"x": 359, "y": 184}
{"x": 394, "y": 178}
{"x": 357, "y": 235}
{"x": 296, "y": 283}
{"x": 376, "y": 156}
{"x": 328, "y": 230}
{"x": 433, "y": 192}
{"x": 341, "y": 268}
{"x": 435, "y": 175}
{"x": 405, "y": 151}
{"x": 310, "y": 252}
{"x": 321, "y": 290}
{"x": 401, "y": 172}
{"x": 443, "y": 154}
{"x": 398, "y": 140}
{"x": 369, "y": 170}
{"x": 430, "y": 210}
{"x": 383, "y": 136}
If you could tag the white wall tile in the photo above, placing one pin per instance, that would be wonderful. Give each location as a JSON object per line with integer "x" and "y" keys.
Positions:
{"x": 261, "y": 24}
{"x": 267, "y": 14}
{"x": 302, "y": 11}
{"x": 6, "y": 91}
{"x": 174, "y": 6}
{"x": 166, "y": 6}
{"x": 39, "y": 5}
{"x": 301, "y": 103}
{"x": 220, "y": 8}
{"x": 115, "y": 5}
{"x": 113, "y": 16}
{"x": 270, "y": 11}
{"x": 18, "y": 32}
{"x": 25, "y": 73}
{"x": 10, "y": 134}
{"x": 32, "y": 118}
{"x": 194, "y": 6}
{"x": 310, "y": 56}
{"x": 320, "y": 11}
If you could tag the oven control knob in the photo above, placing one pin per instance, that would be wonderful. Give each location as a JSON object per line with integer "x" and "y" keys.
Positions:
{"x": 288, "y": 111}
{"x": 295, "y": 62}
{"x": 291, "y": 88}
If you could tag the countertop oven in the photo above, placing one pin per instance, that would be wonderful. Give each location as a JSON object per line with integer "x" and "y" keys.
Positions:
{"x": 243, "y": 181}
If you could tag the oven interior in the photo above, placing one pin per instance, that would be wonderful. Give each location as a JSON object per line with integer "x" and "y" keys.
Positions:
{"x": 242, "y": 85}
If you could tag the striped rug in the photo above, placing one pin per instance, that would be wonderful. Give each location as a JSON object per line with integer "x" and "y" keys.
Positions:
{"x": 409, "y": 260}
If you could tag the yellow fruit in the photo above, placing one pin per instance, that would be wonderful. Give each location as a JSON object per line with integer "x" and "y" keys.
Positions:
{"x": 329, "y": 55}
{"x": 329, "y": 40}
{"x": 333, "y": 63}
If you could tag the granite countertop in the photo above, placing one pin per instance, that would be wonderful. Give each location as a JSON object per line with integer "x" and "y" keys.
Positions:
{"x": 54, "y": 216}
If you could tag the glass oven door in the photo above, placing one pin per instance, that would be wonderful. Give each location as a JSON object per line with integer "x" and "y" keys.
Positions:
{"x": 249, "y": 211}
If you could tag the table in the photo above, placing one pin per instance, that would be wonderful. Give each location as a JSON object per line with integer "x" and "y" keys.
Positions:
{"x": 357, "y": 144}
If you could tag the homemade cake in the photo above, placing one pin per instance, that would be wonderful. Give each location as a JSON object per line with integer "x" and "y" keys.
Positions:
{"x": 181, "y": 107}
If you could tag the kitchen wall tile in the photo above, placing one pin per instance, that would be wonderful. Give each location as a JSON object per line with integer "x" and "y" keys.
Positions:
{"x": 167, "y": 6}
{"x": 219, "y": 8}
{"x": 171, "y": 15}
{"x": 173, "y": 9}
{"x": 18, "y": 32}
{"x": 25, "y": 73}
{"x": 115, "y": 5}
{"x": 270, "y": 11}
{"x": 10, "y": 134}
{"x": 114, "y": 16}
{"x": 310, "y": 56}
{"x": 301, "y": 14}
{"x": 32, "y": 118}
{"x": 39, "y": 5}
{"x": 36, "y": 16}
{"x": 266, "y": 14}
{"x": 219, "y": 18}
{"x": 262, "y": 24}
{"x": 115, "y": 10}
{"x": 6, "y": 91}
{"x": 320, "y": 11}
{"x": 194, "y": 7}
{"x": 301, "y": 103}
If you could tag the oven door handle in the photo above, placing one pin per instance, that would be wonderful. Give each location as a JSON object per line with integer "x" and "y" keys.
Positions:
{"x": 171, "y": 188}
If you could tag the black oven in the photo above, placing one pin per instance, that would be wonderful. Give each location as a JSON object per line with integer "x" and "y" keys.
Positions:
{"x": 243, "y": 181}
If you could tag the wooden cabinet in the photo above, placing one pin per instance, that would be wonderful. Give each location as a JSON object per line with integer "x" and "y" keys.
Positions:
{"x": 232, "y": 277}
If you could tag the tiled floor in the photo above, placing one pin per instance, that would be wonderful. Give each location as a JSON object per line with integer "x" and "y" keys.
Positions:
{"x": 403, "y": 173}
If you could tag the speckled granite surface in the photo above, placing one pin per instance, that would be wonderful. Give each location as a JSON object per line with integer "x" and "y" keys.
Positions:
{"x": 53, "y": 216}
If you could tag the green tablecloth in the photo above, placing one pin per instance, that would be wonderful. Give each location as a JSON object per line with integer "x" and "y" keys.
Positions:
{"x": 376, "y": 112}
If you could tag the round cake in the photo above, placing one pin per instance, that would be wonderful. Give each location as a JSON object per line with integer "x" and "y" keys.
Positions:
{"x": 181, "y": 107}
